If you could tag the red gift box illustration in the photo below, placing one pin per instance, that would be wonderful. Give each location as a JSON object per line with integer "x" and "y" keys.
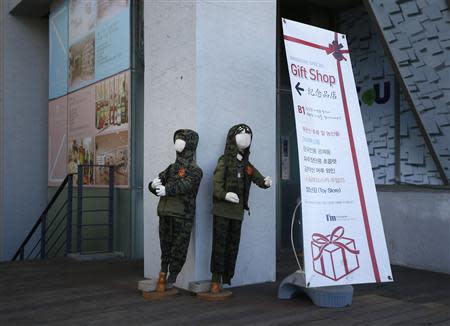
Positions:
{"x": 334, "y": 256}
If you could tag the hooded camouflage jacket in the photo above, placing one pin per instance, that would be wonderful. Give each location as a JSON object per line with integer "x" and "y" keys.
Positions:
{"x": 233, "y": 175}
{"x": 181, "y": 179}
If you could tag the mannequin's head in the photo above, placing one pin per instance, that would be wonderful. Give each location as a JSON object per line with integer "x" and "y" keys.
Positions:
{"x": 243, "y": 136}
{"x": 243, "y": 141}
{"x": 239, "y": 139}
{"x": 180, "y": 144}
{"x": 185, "y": 142}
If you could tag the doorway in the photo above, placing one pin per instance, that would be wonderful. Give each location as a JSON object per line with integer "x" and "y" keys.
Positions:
{"x": 321, "y": 14}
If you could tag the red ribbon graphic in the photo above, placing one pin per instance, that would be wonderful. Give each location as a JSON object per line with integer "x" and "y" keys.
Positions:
{"x": 333, "y": 239}
{"x": 336, "y": 48}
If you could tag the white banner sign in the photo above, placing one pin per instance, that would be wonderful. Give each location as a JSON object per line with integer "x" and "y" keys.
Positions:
{"x": 343, "y": 235}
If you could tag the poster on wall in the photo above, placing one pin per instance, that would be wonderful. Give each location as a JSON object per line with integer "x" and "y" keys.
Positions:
{"x": 98, "y": 130}
{"x": 57, "y": 141}
{"x": 58, "y": 49}
{"x": 343, "y": 235}
{"x": 112, "y": 149}
{"x": 112, "y": 116}
{"x": 81, "y": 132}
{"x": 99, "y": 40}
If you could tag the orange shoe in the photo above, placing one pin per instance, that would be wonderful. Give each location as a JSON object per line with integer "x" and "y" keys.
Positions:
{"x": 215, "y": 288}
{"x": 161, "y": 284}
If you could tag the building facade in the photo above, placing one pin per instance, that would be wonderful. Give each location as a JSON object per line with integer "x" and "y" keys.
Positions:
{"x": 210, "y": 65}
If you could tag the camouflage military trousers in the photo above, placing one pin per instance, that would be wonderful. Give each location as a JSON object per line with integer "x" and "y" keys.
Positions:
{"x": 174, "y": 237}
{"x": 226, "y": 238}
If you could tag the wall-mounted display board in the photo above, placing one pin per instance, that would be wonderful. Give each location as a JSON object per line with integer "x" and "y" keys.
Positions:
{"x": 112, "y": 116}
{"x": 58, "y": 49}
{"x": 99, "y": 40}
{"x": 89, "y": 64}
{"x": 98, "y": 130}
{"x": 57, "y": 141}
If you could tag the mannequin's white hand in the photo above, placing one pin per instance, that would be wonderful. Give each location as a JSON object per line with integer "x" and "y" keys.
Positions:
{"x": 156, "y": 183}
{"x": 268, "y": 182}
{"x": 161, "y": 191}
{"x": 232, "y": 197}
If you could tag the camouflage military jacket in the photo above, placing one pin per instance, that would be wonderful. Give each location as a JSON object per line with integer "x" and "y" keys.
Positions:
{"x": 233, "y": 175}
{"x": 181, "y": 180}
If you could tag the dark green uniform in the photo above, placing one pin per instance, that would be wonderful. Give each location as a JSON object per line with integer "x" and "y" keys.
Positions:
{"x": 176, "y": 210}
{"x": 230, "y": 175}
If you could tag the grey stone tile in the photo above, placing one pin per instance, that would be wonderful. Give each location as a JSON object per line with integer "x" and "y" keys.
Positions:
{"x": 389, "y": 36}
{"x": 412, "y": 27}
{"x": 432, "y": 12}
{"x": 434, "y": 61}
{"x": 409, "y": 8}
{"x": 434, "y": 47}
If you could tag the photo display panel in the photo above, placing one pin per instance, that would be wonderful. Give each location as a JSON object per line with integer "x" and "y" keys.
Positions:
{"x": 98, "y": 130}
{"x": 99, "y": 40}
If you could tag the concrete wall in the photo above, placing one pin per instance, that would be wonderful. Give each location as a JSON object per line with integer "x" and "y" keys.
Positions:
{"x": 2, "y": 170}
{"x": 417, "y": 34}
{"x": 23, "y": 188}
{"x": 169, "y": 104}
{"x": 417, "y": 227}
{"x": 210, "y": 65}
{"x": 236, "y": 83}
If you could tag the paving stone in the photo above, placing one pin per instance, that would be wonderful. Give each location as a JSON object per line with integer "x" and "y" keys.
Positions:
{"x": 391, "y": 7}
{"x": 434, "y": 47}
{"x": 385, "y": 21}
{"x": 443, "y": 4}
{"x": 409, "y": 8}
{"x": 446, "y": 44}
{"x": 421, "y": 3}
{"x": 389, "y": 36}
{"x": 420, "y": 46}
{"x": 428, "y": 104}
{"x": 412, "y": 55}
{"x": 397, "y": 18}
{"x": 413, "y": 27}
{"x": 432, "y": 12}
{"x": 403, "y": 43}
{"x": 431, "y": 74}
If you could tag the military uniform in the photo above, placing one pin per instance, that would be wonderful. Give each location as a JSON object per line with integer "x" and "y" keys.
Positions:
{"x": 176, "y": 210}
{"x": 231, "y": 175}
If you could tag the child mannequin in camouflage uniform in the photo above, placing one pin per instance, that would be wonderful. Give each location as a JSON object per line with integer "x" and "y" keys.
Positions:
{"x": 177, "y": 187}
{"x": 232, "y": 179}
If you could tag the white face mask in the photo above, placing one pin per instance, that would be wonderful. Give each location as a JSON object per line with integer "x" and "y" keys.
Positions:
{"x": 180, "y": 144}
{"x": 243, "y": 141}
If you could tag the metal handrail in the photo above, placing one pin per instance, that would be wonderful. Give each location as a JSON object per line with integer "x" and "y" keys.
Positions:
{"x": 81, "y": 210}
{"x": 41, "y": 217}
{"x": 53, "y": 228}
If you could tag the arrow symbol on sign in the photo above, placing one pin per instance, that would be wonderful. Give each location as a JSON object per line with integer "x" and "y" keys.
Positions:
{"x": 299, "y": 89}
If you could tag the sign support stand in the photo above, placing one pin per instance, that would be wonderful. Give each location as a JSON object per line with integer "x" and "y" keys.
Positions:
{"x": 326, "y": 297}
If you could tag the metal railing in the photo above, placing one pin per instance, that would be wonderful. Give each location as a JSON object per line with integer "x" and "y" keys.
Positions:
{"x": 80, "y": 210}
{"x": 51, "y": 233}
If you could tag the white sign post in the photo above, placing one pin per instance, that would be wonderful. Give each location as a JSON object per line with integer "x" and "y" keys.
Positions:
{"x": 343, "y": 237}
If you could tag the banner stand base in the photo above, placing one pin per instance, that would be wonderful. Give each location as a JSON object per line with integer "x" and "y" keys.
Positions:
{"x": 327, "y": 296}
